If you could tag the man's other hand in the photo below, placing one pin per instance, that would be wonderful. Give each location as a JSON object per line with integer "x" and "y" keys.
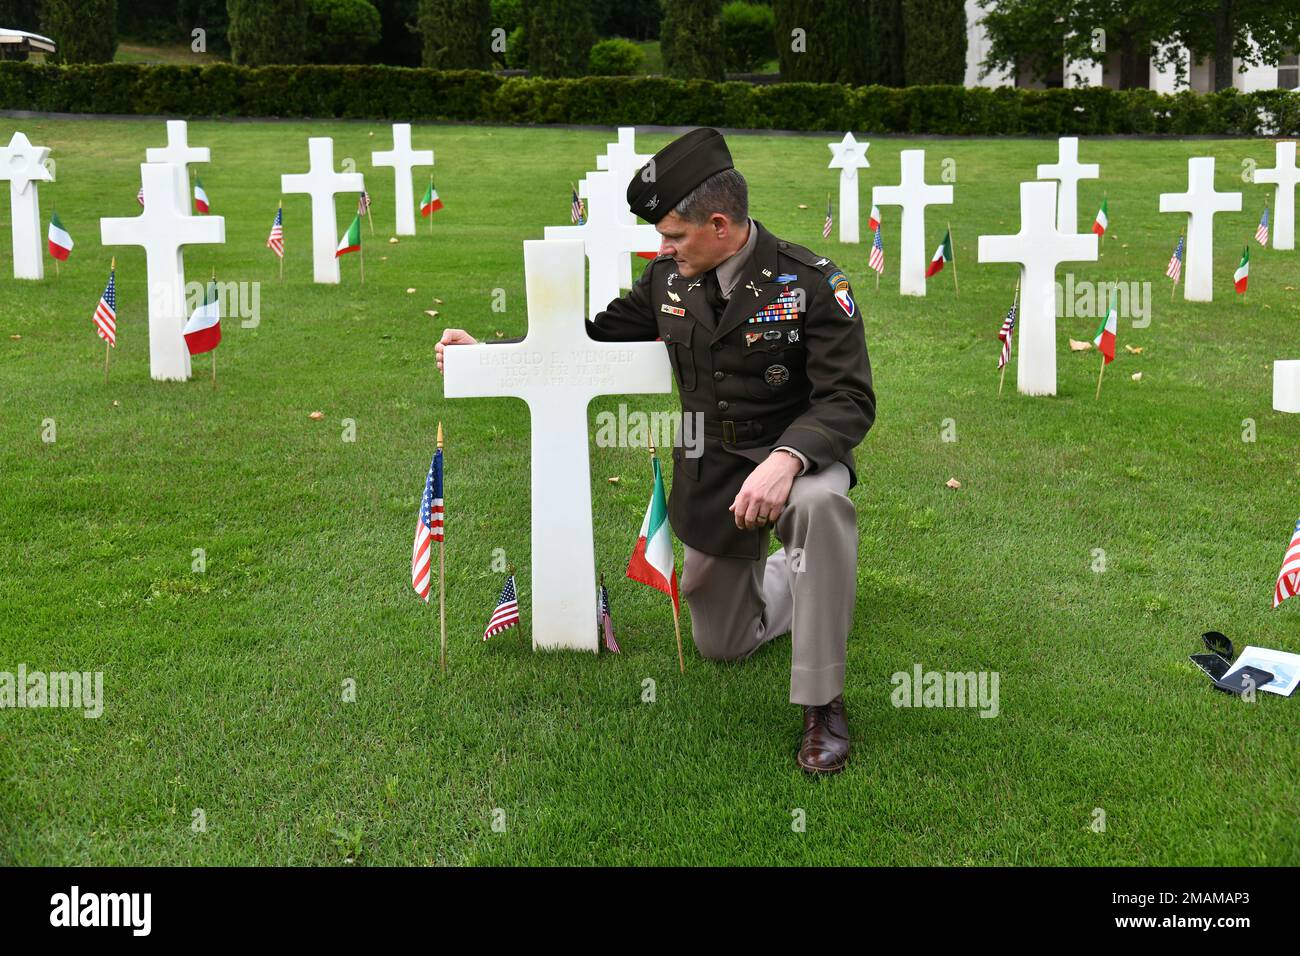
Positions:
{"x": 452, "y": 337}
{"x": 763, "y": 496}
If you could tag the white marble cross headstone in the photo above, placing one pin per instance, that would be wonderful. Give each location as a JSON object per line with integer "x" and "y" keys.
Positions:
{"x": 622, "y": 159}
{"x": 321, "y": 182}
{"x": 557, "y": 369}
{"x": 1040, "y": 246}
{"x": 848, "y": 156}
{"x": 1284, "y": 175}
{"x": 180, "y": 154}
{"x": 1068, "y": 170}
{"x": 24, "y": 166}
{"x": 606, "y": 235}
{"x": 1201, "y": 202}
{"x": 913, "y": 194}
{"x": 164, "y": 231}
{"x": 402, "y": 157}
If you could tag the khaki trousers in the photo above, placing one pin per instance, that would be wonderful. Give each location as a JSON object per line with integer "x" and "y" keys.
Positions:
{"x": 806, "y": 589}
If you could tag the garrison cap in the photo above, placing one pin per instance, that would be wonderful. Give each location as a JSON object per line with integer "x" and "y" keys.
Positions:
{"x": 678, "y": 168}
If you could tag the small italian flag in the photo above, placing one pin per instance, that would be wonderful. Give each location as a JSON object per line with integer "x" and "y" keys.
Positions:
{"x": 873, "y": 218}
{"x": 203, "y": 330}
{"x": 652, "y": 559}
{"x": 351, "y": 241}
{"x": 60, "y": 241}
{"x": 1102, "y": 221}
{"x": 942, "y": 255}
{"x": 1105, "y": 339}
{"x": 430, "y": 203}
{"x": 200, "y": 197}
{"x": 1243, "y": 270}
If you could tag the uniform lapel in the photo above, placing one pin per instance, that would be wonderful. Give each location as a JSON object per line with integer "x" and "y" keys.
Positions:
{"x": 690, "y": 296}
{"x": 759, "y": 273}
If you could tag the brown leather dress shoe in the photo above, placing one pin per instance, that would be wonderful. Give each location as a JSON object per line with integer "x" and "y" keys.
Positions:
{"x": 825, "y": 737}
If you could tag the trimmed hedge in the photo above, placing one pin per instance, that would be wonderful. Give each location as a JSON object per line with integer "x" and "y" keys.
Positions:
{"x": 382, "y": 92}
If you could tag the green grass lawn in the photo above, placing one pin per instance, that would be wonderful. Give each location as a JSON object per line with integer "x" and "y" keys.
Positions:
{"x": 224, "y": 689}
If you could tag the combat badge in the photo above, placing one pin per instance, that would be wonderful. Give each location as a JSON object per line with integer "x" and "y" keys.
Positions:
{"x": 776, "y": 375}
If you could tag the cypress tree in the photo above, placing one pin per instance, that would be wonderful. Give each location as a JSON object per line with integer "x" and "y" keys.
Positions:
{"x": 885, "y": 60}
{"x": 558, "y": 36}
{"x": 690, "y": 37}
{"x": 457, "y": 34}
{"x": 823, "y": 41}
{"x": 84, "y": 32}
{"x": 934, "y": 49}
{"x": 267, "y": 31}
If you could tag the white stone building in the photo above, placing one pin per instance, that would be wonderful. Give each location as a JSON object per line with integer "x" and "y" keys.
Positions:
{"x": 1198, "y": 75}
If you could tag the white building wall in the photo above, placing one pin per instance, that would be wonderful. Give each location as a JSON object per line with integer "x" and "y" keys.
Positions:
{"x": 977, "y": 47}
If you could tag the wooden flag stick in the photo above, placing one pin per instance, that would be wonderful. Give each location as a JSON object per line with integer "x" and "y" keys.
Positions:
{"x": 281, "y": 218}
{"x": 1173, "y": 288}
{"x": 442, "y": 582}
{"x": 951, "y": 244}
{"x": 214, "y": 351}
{"x": 111, "y": 269}
{"x": 1002, "y": 377}
{"x": 431, "y": 205}
{"x": 361, "y": 251}
{"x": 1100, "y": 374}
{"x": 677, "y": 624}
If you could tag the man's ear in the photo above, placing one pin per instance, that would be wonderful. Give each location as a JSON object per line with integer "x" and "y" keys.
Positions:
{"x": 721, "y": 225}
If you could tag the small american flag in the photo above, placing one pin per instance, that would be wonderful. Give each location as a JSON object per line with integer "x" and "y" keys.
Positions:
{"x": 363, "y": 203}
{"x": 139, "y": 197}
{"x": 106, "y": 312}
{"x": 275, "y": 241}
{"x": 605, "y": 623}
{"x": 877, "y": 258}
{"x": 507, "y": 612}
{"x": 1006, "y": 332}
{"x": 1261, "y": 231}
{"x": 428, "y": 529}
{"x": 577, "y": 211}
{"x": 1289, "y": 577}
{"x": 1175, "y": 267}
{"x": 826, "y": 226}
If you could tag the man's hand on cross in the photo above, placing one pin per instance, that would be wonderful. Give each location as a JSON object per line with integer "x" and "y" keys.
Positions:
{"x": 452, "y": 337}
{"x": 763, "y": 496}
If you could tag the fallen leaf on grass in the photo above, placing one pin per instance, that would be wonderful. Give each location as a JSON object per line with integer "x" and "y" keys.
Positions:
{"x": 437, "y": 301}
{"x": 803, "y": 205}
{"x": 316, "y": 416}
{"x": 1077, "y": 346}
{"x": 1134, "y": 350}
{"x": 15, "y": 337}
{"x": 410, "y": 291}
{"x": 1137, "y": 376}
{"x": 501, "y": 335}
{"x": 613, "y": 481}
{"x": 431, "y": 312}
{"x": 392, "y": 240}
{"x": 953, "y": 483}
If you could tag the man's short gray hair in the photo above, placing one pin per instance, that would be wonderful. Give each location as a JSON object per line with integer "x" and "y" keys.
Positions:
{"x": 725, "y": 192}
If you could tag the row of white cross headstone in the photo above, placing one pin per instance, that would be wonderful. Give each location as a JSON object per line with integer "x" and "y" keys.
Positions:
{"x": 165, "y": 227}
{"x": 1047, "y": 238}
